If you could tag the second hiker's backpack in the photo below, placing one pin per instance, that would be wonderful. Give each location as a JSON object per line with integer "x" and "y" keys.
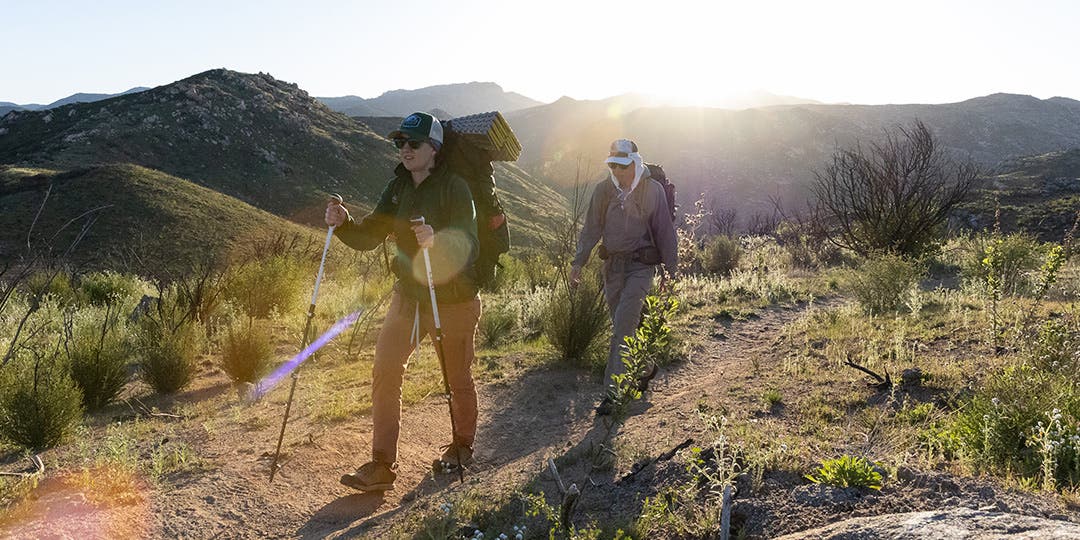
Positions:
{"x": 470, "y": 145}
{"x": 658, "y": 174}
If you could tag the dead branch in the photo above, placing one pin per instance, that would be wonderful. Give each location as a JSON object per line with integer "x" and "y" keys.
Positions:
{"x": 570, "y": 496}
{"x": 883, "y": 383}
{"x": 662, "y": 457}
{"x": 39, "y": 469}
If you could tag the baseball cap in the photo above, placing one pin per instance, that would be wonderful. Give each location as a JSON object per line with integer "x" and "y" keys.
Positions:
{"x": 620, "y": 152}
{"x": 419, "y": 126}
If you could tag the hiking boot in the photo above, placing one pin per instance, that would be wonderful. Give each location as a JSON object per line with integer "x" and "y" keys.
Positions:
{"x": 371, "y": 476}
{"x": 606, "y": 406}
{"x": 643, "y": 381}
{"x": 449, "y": 460}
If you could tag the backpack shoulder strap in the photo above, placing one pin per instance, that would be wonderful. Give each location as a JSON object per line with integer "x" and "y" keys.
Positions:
{"x": 606, "y": 194}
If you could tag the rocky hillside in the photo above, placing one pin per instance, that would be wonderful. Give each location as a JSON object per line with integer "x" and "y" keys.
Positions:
{"x": 742, "y": 157}
{"x": 453, "y": 99}
{"x": 253, "y": 137}
{"x": 263, "y": 141}
{"x": 1039, "y": 194}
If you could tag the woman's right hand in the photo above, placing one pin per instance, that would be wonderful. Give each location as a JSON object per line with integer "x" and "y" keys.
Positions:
{"x": 336, "y": 214}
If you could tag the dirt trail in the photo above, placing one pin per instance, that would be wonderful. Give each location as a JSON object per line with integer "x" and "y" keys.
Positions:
{"x": 524, "y": 419}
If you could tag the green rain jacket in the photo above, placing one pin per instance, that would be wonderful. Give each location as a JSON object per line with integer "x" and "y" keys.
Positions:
{"x": 445, "y": 202}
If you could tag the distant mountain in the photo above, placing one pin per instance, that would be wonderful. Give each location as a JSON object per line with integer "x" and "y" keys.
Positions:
{"x": 6, "y": 107}
{"x": 742, "y": 157}
{"x": 90, "y": 98}
{"x": 1039, "y": 194}
{"x": 164, "y": 220}
{"x": 252, "y": 137}
{"x": 454, "y": 99}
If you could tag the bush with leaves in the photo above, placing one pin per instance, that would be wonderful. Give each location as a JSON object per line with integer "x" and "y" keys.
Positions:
{"x": 576, "y": 320}
{"x": 1022, "y": 420}
{"x": 882, "y": 284}
{"x": 40, "y": 406}
{"x": 1005, "y": 262}
{"x": 497, "y": 325}
{"x": 52, "y": 282}
{"x": 166, "y": 354}
{"x": 101, "y": 288}
{"x": 722, "y": 254}
{"x": 246, "y": 352}
{"x": 98, "y": 350}
{"x": 266, "y": 285}
{"x": 847, "y": 471}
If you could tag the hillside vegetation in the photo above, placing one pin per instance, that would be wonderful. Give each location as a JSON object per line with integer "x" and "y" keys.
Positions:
{"x": 140, "y": 214}
{"x": 1039, "y": 195}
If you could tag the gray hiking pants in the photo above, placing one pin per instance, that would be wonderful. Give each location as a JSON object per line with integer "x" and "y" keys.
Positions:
{"x": 626, "y": 284}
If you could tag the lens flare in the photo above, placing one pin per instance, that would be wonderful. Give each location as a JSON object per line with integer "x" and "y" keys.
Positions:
{"x": 271, "y": 380}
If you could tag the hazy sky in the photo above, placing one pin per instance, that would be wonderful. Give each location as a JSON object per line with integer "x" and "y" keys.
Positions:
{"x": 861, "y": 51}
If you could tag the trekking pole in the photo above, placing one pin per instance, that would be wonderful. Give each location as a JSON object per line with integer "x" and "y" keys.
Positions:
{"x": 419, "y": 220}
{"x": 304, "y": 342}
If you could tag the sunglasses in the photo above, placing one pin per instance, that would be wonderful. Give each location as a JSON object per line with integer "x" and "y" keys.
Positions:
{"x": 621, "y": 167}
{"x": 413, "y": 143}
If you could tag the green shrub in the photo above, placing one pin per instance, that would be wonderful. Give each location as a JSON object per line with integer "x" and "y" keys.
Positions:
{"x": 847, "y": 471}
{"x": 575, "y": 323}
{"x": 1057, "y": 347}
{"x": 98, "y": 354}
{"x": 882, "y": 284}
{"x": 722, "y": 254}
{"x": 1008, "y": 262}
{"x": 100, "y": 288}
{"x": 262, "y": 286}
{"x": 246, "y": 352}
{"x": 49, "y": 283}
{"x": 497, "y": 325}
{"x": 167, "y": 355}
{"x": 1021, "y": 420}
{"x": 40, "y": 406}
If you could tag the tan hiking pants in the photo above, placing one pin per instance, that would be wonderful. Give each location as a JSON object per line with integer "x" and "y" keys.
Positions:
{"x": 626, "y": 284}
{"x": 392, "y": 352}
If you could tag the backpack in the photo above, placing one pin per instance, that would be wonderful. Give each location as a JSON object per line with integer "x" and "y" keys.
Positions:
{"x": 658, "y": 174}
{"x": 470, "y": 145}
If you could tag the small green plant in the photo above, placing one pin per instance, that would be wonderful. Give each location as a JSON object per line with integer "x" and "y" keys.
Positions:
{"x": 497, "y": 326}
{"x": 847, "y": 471}
{"x": 246, "y": 352}
{"x": 771, "y": 398}
{"x": 171, "y": 458}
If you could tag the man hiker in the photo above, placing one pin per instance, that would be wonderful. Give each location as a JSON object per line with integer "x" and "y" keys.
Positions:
{"x": 629, "y": 212}
{"x": 422, "y": 186}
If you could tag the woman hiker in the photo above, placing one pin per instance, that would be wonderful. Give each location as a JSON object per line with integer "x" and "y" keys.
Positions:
{"x": 421, "y": 186}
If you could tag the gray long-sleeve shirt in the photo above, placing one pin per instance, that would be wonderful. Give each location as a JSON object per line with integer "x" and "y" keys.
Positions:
{"x": 640, "y": 220}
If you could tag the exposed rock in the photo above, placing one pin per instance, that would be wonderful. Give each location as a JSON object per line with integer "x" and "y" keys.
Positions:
{"x": 958, "y": 523}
